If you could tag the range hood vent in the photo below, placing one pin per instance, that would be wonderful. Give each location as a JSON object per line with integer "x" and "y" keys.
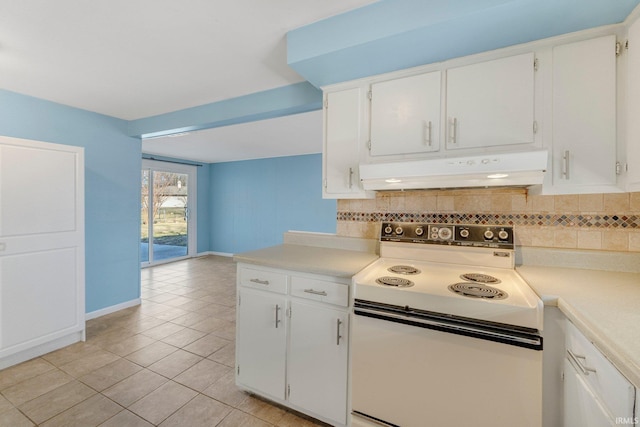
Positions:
{"x": 517, "y": 169}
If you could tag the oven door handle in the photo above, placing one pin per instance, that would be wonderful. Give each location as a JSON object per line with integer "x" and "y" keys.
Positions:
{"x": 504, "y": 336}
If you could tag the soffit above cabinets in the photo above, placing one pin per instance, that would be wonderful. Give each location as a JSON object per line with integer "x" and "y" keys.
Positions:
{"x": 390, "y": 35}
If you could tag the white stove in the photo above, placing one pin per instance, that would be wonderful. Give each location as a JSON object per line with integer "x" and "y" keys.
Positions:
{"x": 490, "y": 288}
{"x": 444, "y": 305}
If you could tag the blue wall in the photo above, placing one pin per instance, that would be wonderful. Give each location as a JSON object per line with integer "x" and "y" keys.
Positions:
{"x": 241, "y": 205}
{"x": 254, "y": 202}
{"x": 112, "y": 190}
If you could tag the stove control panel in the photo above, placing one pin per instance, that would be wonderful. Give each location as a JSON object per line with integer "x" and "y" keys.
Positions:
{"x": 489, "y": 236}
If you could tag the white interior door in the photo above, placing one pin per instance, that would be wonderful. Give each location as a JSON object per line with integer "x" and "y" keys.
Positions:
{"x": 41, "y": 243}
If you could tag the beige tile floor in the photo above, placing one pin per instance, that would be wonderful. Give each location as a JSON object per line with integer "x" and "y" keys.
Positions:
{"x": 167, "y": 362}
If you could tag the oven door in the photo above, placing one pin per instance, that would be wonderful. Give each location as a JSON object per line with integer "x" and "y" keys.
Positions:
{"x": 419, "y": 370}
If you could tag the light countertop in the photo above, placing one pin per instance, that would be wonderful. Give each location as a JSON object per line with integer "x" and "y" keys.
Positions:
{"x": 310, "y": 259}
{"x": 317, "y": 253}
{"x": 604, "y": 305}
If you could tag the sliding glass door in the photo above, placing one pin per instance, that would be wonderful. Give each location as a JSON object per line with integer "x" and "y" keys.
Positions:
{"x": 166, "y": 217}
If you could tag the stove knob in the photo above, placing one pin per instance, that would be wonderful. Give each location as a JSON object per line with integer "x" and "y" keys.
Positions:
{"x": 503, "y": 235}
{"x": 464, "y": 233}
{"x": 399, "y": 230}
{"x": 388, "y": 229}
{"x": 488, "y": 235}
{"x": 419, "y": 231}
{"x": 434, "y": 233}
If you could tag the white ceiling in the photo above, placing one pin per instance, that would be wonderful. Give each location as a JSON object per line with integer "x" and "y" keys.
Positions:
{"x": 138, "y": 58}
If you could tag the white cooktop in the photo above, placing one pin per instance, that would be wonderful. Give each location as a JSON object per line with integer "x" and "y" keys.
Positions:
{"x": 430, "y": 292}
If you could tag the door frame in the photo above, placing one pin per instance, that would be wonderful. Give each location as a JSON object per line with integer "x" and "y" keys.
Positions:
{"x": 192, "y": 203}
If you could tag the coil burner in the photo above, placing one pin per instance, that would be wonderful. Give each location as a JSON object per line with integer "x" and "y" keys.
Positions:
{"x": 403, "y": 269}
{"x": 478, "y": 290}
{"x": 479, "y": 278}
{"x": 398, "y": 282}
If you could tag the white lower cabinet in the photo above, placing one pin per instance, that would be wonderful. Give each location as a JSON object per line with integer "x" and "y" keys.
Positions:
{"x": 595, "y": 393}
{"x": 262, "y": 344}
{"x": 583, "y": 408}
{"x": 292, "y": 340}
{"x": 318, "y": 359}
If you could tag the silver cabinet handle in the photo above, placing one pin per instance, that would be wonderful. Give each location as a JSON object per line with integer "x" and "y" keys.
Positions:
{"x": 260, "y": 282}
{"x": 576, "y": 359}
{"x": 565, "y": 164}
{"x": 314, "y": 292}
{"x": 453, "y": 129}
{"x": 350, "y": 177}
{"x": 426, "y": 129}
{"x": 338, "y": 336}
{"x": 277, "y": 315}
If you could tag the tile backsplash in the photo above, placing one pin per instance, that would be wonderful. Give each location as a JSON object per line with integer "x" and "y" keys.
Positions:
{"x": 586, "y": 221}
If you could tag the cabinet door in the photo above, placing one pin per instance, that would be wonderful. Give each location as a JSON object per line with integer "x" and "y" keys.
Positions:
{"x": 405, "y": 115}
{"x": 318, "y": 360}
{"x": 262, "y": 342}
{"x": 41, "y": 243}
{"x": 633, "y": 108}
{"x": 584, "y": 115}
{"x": 581, "y": 407}
{"x": 491, "y": 103}
{"x": 343, "y": 115}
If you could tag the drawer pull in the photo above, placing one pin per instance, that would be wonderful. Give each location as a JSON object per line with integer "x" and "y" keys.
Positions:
{"x": 314, "y": 292}
{"x": 260, "y": 282}
{"x": 576, "y": 360}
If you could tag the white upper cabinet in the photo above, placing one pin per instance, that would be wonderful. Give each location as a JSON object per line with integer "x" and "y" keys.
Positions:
{"x": 491, "y": 103}
{"x": 633, "y": 108}
{"x": 405, "y": 115}
{"x": 343, "y": 124}
{"x": 584, "y": 116}
{"x": 561, "y": 94}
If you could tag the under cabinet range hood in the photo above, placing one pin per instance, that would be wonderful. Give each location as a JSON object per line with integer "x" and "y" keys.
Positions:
{"x": 516, "y": 169}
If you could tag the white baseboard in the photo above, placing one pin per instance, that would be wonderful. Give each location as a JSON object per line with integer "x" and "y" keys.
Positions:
{"x": 226, "y": 254}
{"x": 39, "y": 350}
{"x": 112, "y": 309}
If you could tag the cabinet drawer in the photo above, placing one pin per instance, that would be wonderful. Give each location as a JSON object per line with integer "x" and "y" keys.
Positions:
{"x": 605, "y": 380}
{"x": 265, "y": 280}
{"x": 320, "y": 290}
